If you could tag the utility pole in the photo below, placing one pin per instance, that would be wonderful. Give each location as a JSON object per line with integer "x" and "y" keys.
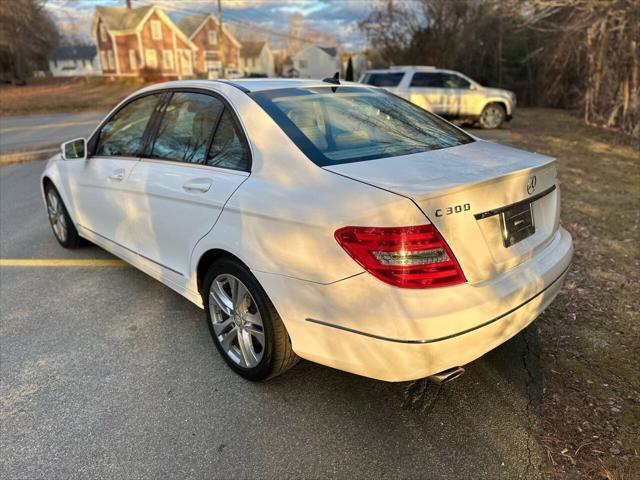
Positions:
{"x": 220, "y": 45}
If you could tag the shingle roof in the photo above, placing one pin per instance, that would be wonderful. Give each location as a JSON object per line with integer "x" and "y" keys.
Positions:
{"x": 331, "y": 51}
{"x": 251, "y": 49}
{"x": 120, "y": 18}
{"x": 190, "y": 24}
{"x": 80, "y": 52}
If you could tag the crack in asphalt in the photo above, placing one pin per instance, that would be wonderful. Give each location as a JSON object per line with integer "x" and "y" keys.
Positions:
{"x": 528, "y": 385}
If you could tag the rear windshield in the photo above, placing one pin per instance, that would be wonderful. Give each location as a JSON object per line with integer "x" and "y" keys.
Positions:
{"x": 334, "y": 125}
{"x": 383, "y": 79}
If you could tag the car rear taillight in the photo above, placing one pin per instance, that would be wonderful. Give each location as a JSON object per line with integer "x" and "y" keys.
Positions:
{"x": 407, "y": 257}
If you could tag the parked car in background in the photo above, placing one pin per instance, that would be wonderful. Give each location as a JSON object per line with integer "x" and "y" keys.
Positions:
{"x": 447, "y": 93}
{"x": 335, "y": 222}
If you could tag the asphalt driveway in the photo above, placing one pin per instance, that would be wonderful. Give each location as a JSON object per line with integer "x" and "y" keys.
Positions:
{"x": 104, "y": 372}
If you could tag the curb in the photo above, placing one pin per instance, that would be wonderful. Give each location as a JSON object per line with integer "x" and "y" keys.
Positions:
{"x": 26, "y": 156}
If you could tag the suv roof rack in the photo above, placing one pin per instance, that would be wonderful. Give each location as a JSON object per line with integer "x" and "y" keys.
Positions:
{"x": 415, "y": 67}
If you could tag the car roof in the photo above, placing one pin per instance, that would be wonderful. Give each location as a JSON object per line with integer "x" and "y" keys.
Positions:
{"x": 252, "y": 84}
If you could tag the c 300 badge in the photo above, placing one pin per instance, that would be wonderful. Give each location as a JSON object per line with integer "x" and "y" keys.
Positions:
{"x": 465, "y": 207}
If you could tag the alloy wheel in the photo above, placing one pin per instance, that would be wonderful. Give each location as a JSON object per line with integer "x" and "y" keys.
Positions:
{"x": 492, "y": 116}
{"x": 236, "y": 321}
{"x": 57, "y": 217}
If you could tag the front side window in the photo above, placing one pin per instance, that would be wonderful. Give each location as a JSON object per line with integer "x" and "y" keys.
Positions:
{"x": 122, "y": 135}
{"x": 212, "y": 37}
{"x": 383, "y": 79}
{"x": 451, "y": 80}
{"x": 334, "y": 125}
{"x": 186, "y": 128}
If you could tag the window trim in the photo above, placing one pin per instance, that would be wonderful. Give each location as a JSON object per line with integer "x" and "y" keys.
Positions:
{"x": 153, "y": 131}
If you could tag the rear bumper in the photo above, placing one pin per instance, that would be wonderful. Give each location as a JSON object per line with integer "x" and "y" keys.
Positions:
{"x": 366, "y": 327}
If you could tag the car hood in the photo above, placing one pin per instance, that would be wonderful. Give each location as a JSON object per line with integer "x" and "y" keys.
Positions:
{"x": 497, "y": 92}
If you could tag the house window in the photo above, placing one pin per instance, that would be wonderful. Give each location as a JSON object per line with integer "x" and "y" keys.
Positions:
{"x": 167, "y": 59}
{"x": 133, "y": 61}
{"x": 156, "y": 30}
{"x": 212, "y": 61}
{"x": 103, "y": 33}
{"x": 212, "y": 37}
{"x": 104, "y": 62}
{"x": 150, "y": 58}
{"x": 112, "y": 60}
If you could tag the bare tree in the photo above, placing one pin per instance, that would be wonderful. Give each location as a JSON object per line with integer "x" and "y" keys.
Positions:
{"x": 562, "y": 53}
{"x": 593, "y": 54}
{"x": 27, "y": 36}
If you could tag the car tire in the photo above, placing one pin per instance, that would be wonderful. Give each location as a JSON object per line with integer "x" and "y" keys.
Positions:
{"x": 493, "y": 116}
{"x": 245, "y": 327}
{"x": 61, "y": 224}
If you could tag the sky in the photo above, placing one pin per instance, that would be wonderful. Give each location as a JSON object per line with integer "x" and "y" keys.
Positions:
{"x": 339, "y": 17}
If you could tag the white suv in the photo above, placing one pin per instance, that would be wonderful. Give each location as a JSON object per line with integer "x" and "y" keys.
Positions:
{"x": 448, "y": 93}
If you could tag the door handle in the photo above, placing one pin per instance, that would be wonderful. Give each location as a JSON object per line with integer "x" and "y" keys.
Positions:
{"x": 197, "y": 185}
{"x": 117, "y": 175}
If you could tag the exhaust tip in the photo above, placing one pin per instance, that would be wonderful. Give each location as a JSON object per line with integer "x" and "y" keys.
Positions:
{"x": 446, "y": 375}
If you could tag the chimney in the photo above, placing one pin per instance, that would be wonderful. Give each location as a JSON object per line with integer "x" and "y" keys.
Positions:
{"x": 129, "y": 4}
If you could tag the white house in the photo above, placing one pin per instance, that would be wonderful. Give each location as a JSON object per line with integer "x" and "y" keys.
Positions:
{"x": 256, "y": 58}
{"x": 74, "y": 61}
{"x": 315, "y": 61}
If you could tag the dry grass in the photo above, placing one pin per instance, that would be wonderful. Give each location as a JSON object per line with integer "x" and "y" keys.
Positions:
{"x": 590, "y": 355}
{"x": 63, "y": 95}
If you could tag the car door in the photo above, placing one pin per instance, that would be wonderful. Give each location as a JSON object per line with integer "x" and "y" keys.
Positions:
{"x": 195, "y": 160}
{"x": 458, "y": 96}
{"x": 98, "y": 186}
{"x": 425, "y": 90}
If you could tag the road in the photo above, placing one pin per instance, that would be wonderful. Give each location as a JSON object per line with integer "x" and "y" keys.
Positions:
{"x": 36, "y": 131}
{"x": 106, "y": 373}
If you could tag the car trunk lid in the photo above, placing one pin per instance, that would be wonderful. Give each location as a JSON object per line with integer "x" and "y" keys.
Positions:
{"x": 494, "y": 205}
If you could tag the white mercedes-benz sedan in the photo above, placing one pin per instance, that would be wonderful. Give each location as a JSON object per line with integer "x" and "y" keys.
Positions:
{"x": 333, "y": 222}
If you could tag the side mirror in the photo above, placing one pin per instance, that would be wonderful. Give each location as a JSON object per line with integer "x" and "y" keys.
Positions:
{"x": 74, "y": 149}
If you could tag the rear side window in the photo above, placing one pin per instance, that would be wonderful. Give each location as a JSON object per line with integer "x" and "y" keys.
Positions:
{"x": 228, "y": 150}
{"x": 122, "y": 135}
{"x": 186, "y": 127}
{"x": 383, "y": 79}
{"x": 423, "y": 79}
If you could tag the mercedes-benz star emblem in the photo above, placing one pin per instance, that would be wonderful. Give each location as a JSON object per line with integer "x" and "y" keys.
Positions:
{"x": 531, "y": 185}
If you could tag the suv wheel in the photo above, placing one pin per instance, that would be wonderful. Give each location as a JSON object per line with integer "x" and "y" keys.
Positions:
{"x": 492, "y": 116}
{"x": 245, "y": 327}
